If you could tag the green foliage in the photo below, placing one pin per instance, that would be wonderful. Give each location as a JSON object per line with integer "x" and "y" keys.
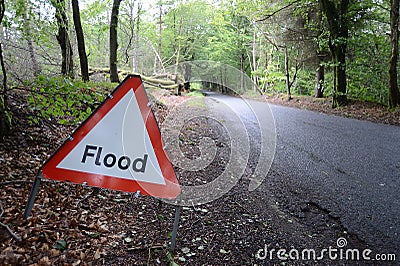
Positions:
{"x": 252, "y": 93}
{"x": 62, "y": 101}
{"x": 7, "y": 115}
{"x": 5, "y": 119}
{"x": 274, "y": 79}
{"x": 220, "y": 31}
{"x": 170, "y": 259}
{"x": 160, "y": 217}
{"x": 367, "y": 67}
{"x": 195, "y": 94}
{"x": 305, "y": 83}
{"x": 186, "y": 30}
{"x": 95, "y": 25}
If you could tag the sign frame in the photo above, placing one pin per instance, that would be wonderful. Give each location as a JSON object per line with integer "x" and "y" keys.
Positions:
{"x": 49, "y": 169}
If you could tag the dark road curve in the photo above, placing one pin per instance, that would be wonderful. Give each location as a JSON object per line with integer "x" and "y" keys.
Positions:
{"x": 350, "y": 167}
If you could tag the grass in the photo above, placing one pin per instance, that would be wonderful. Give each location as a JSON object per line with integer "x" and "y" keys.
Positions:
{"x": 195, "y": 94}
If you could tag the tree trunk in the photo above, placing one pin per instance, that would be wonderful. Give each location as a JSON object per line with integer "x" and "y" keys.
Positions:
{"x": 177, "y": 58}
{"x": 339, "y": 61}
{"x": 267, "y": 58}
{"x": 107, "y": 49}
{"x": 160, "y": 35}
{"x": 187, "y": 76}
{"x": 136, "y": 41}
{"x": 5, "y": 115}
{"x": 320, "y": 80}
{"x": 242, "y": 61}
{"x": 394, "y": 95}
{"x": 31, "y": 48}
{"x": 254, "y": 59}
{"x": 114, "y": 41}
{"x": 337, "y": 16}
{"x": 35, "y": 64}
{"x": 289, "y": 95}
{"x": 80, "y": 40}
{"x": 67, "y": 65}
{"x": 320, "y": 73}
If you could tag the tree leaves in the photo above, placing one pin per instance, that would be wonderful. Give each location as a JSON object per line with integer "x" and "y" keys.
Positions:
{"x": 61, "y": 101}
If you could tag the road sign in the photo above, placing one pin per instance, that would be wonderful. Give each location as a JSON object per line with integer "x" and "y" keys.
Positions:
{"x": 118, "y": 147}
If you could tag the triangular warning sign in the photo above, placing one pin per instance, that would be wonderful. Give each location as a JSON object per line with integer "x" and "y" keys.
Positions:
{"x": 118, "y": 147}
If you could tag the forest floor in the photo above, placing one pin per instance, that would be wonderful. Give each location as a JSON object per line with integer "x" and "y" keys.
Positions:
{"x": 76, "y": 225}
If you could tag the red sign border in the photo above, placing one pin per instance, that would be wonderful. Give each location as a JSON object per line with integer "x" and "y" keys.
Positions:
{"x": 171, "y": 188}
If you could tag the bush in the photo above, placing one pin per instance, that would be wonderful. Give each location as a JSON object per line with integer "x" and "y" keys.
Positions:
{"x": 61, "y": 101}
{"x": 275, "y": 80}
{"x": 305, "y": 83}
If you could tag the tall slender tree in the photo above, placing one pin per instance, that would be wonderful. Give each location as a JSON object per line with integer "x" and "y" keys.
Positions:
{"x": 114, "y": 41}
{"x": 160, "y": 21}
{"x": 80, "y": 40}
{"x": 67, "y": 66}
{"x": 337, "y": 13}
{"x": 394, "y": 95}
{"x": 5, "y": 121}
{"x": 320, "y": 71}
{"x": 26, "y": 11}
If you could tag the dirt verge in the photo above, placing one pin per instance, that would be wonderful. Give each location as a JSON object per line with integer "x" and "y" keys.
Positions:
{"x": 356, "y": 109}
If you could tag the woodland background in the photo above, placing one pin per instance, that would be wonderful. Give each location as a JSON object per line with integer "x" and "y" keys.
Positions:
{"x": 334, "y": 48}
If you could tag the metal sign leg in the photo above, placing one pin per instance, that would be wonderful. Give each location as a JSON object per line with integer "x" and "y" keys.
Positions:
{"x": 32, "y": 196}
{"x": 175, "y": 228}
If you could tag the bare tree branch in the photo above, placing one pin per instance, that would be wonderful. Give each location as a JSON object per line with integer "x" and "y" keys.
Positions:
{"x": 298, "y": 64}
{"x": 277, "y": 11}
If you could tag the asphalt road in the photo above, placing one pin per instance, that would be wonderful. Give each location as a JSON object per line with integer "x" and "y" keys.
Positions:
{"x": 350, "y": 168}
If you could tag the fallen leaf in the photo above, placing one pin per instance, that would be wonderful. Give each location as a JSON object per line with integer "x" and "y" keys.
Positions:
{"x": 97, "y": 254}
{"x": 185, "y": 250}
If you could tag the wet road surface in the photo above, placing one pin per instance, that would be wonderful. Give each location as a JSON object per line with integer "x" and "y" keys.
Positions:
{"x": 350, "y": 169}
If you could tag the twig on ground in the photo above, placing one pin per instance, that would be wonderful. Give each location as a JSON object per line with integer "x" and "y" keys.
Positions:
{"x": 15, "y": 182}
{"x": 239, "y": 205}
{"x": 155, "y": 246}
{"x": 212, "y": 238}
{"x": 149, "y": 254}
{"x": 15, "y": 236}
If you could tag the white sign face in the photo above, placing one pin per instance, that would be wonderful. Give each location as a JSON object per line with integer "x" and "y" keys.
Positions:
{"x": 118, "y": 146}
